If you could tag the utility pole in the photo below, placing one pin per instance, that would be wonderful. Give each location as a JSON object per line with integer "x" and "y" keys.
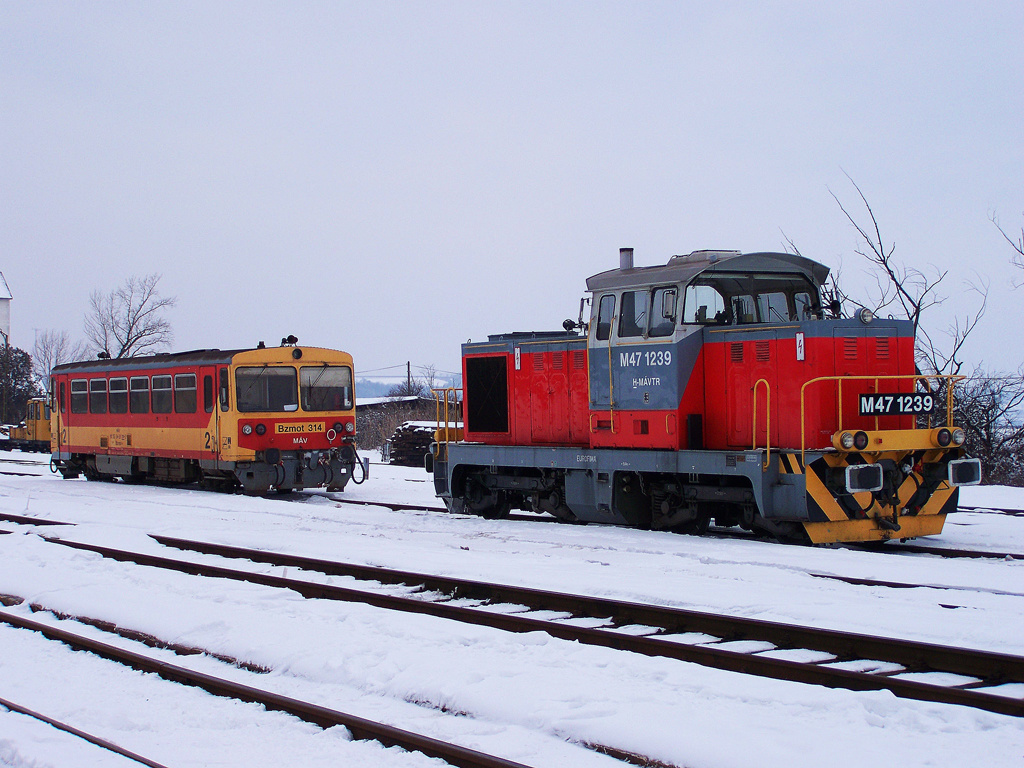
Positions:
{"x": 408, "y": 376}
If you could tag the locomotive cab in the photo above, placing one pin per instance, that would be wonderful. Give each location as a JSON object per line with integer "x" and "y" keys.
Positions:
{"x": 716, "y": 387}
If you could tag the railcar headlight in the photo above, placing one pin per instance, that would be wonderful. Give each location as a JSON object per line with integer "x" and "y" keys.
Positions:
{"x": 958, "y": 436}
{"x": 261, "y": 429}
{"x": 350, "y": 427}
{"x": 860, "y": 441}
{"x": 943, "y": 437}
{"x": 247, "y": 429}
{"x": 846, "y": 440}
{"x": 865, "y": 315}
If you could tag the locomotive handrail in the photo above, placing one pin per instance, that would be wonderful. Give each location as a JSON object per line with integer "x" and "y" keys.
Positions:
{"x": 450, "y": 397}
{"x": 914, "y": 377}
{"x": 768, "y": 420}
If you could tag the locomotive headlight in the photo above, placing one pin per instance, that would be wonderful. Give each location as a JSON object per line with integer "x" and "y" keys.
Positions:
{"x": 865, "y": 315}
{"x": 247, "y": 429}
{"x": 860, "y": 441}
{"x": 846, "y": 440}
{"x": 943, "y": 437}
{"x": 958, "y": 436}
{"x": 261, "y": 429}
{"x": 350, "y": 427}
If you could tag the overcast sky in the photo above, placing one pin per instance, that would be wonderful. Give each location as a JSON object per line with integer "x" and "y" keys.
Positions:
{"x": 393, "y": 179}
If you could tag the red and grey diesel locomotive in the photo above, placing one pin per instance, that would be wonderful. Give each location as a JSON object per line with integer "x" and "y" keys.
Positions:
{"x": 715, "y": 387}
{"x": 267, "y": 418}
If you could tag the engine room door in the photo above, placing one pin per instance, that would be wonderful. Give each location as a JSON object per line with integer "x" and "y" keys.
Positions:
{"x": 749, "y": 365}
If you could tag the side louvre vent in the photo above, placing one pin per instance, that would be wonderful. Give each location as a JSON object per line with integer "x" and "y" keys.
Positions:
{"x": 557, "y": 361}
{"x": 849, "y": 349}
{"x": 762, "y": 351}
{"x": 736, "y": 351}
{"x": 579, "y": 359}
{"x": 882, "y": 349}
{"x": 538, "y": 361}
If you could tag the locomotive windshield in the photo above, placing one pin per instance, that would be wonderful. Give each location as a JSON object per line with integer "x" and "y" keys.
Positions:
{"x": 262, "y": 388}
{"x": 731, "y": 298}
{"x": 326, "y": 387}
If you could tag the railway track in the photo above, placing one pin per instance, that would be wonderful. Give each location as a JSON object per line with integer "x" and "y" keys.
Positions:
{"x": 830, "y": 658}
{"x": 360, "y": 728}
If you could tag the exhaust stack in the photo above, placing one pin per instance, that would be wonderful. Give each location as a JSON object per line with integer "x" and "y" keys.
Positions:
{"x": 625, "y": 258}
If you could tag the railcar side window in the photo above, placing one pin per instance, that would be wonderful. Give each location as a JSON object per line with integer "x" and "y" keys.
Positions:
{"x": 139, "y": 396}
{"x": 223, "y": 387}
{"x": 185, "y": 393}
{"x": 633, "y": 314}
{"x": 326, "y": 387}
{"x": 63, "y": 393}
{"x": 161, "y": 394}
{"x": 605, "y": 312}
{"x": 208, "y": 394}
{"x": 119, "y": 395}
{"x": 262, "y": 388}
{"x": 98, "y": 396}
{"x": 79, "y": 396}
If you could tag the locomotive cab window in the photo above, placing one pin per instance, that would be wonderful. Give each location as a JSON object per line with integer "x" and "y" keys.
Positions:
{"x": 262, "y": 388}
{"x": 185, "y": 393}
{"x": 98, "y": 396}
{"x": 633, "y": 314}
{"x": 728, "y": 298}
{"x": 162, "y": 394}
{"x": 138, "y": 398}
{"x": 119, "y": 395}
{"x": 326, "y": 387}
{"x": 605, "y": 312}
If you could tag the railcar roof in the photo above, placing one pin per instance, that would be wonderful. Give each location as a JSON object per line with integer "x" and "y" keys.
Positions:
{"x": 193, "y": 357}
{"x": 683, "y": 269}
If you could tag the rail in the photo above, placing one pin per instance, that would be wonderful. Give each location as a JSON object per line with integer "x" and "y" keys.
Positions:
{"x": 768, "y": 421}
{"x": 949, "y": 380}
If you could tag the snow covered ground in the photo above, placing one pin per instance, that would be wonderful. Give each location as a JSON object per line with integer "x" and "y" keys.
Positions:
{"x": 529, "y": 698}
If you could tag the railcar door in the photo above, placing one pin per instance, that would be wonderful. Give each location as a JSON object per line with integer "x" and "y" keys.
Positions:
{"x": 211, "y": 433}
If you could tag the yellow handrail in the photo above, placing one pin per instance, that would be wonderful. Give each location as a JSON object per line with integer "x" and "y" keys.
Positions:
{"x": 450, "y": 397}
{"x": 768, "y": 420}
{"x": 950, "y": 382}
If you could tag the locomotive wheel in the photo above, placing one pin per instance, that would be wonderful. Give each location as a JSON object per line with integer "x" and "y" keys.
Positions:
{"x": 498, "y": 510}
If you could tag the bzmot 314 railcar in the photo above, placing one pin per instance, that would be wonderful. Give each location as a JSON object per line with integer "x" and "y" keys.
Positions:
{"x": 267, "y": 418}
{"x": 715, "y": 387}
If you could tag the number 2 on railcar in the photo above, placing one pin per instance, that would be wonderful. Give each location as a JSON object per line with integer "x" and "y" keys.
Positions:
{"x": 260, "y": 419}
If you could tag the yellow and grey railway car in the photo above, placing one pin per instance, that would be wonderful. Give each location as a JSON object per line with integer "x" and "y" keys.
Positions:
{"x": 260, "y": 419}
{"x": 33, "y": 434}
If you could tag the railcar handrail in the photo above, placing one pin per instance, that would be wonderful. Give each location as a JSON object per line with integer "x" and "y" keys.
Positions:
{"x": 950, "y": 381}
{"x": 768, "y": 420}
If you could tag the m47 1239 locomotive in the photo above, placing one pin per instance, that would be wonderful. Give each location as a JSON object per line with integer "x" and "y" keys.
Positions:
{"x": 716, "y": 387}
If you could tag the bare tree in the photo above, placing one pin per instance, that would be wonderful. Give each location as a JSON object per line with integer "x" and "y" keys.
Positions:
{"x": 988, "y": 408}
{"x": 1017, "y": 245}
{"x": 51, "y": 349}
{"x": 912, "y": 292}
{"x": 129, "y": 320}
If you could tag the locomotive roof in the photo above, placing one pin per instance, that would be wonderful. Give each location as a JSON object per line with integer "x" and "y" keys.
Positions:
{"x": 196, "y": 356}
{"x": 683, "y": 269}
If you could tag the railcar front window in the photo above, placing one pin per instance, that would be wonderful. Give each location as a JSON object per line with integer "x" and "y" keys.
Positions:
{"x": 162, "y": 394}
{"x": 326, "y": 387}
{"x": 262, "y": 388}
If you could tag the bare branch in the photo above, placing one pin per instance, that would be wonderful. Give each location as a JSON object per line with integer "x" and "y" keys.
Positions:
{"x": 129, "y": 320}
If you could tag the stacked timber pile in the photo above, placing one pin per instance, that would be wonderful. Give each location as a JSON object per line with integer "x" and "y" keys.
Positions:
{"x": 410, "y": 443}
